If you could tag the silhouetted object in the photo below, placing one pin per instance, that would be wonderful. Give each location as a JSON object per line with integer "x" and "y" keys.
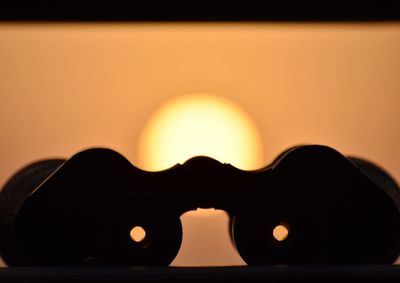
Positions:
{"x": 80, "y": 212}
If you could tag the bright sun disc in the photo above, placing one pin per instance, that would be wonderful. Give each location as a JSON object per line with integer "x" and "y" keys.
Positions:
{"x": 200, "y": 125}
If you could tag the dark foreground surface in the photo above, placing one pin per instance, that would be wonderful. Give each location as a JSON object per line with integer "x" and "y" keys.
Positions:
{"x": 359, "y": 273}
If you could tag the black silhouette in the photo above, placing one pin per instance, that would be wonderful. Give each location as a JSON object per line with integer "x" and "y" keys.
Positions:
{"x": 80, "y": 211}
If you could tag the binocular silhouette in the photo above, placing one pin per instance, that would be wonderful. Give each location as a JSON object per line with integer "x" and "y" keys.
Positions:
{"x": 81, "y": 211}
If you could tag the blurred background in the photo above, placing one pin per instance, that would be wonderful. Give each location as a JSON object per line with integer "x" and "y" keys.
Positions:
{"x": 67, "y": 87}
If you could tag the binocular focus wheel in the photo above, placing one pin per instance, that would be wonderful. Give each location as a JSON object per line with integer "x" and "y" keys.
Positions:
{"x": 12, "y": 196}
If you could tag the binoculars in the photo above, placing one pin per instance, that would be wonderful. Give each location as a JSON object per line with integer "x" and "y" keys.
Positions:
{"x": 82, "y": 211}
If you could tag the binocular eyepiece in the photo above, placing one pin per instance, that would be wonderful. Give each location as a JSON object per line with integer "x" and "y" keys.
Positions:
{"x": 96, "y": 208}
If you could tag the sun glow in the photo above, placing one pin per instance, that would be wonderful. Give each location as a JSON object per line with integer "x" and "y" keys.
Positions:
{"x": 200, "y": 125}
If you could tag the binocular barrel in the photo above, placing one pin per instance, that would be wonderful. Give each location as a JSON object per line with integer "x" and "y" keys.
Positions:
{"x": 96, "y": 208}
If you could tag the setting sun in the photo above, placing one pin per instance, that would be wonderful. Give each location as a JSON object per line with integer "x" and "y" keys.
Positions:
{"x": 200, "y": 125}
{"x": 208, "y": 125}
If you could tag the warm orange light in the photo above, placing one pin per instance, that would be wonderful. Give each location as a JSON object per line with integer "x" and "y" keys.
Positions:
{"x": 200, "y": 125}
{"x": 280, "y": 233}
{"x": 137, "y": 234}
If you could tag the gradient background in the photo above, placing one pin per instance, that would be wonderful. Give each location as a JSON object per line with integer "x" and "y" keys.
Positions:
{"x": 66, "y": 87}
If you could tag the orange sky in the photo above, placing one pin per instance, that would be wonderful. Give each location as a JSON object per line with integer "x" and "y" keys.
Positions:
{"x": 66, "y": 87}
